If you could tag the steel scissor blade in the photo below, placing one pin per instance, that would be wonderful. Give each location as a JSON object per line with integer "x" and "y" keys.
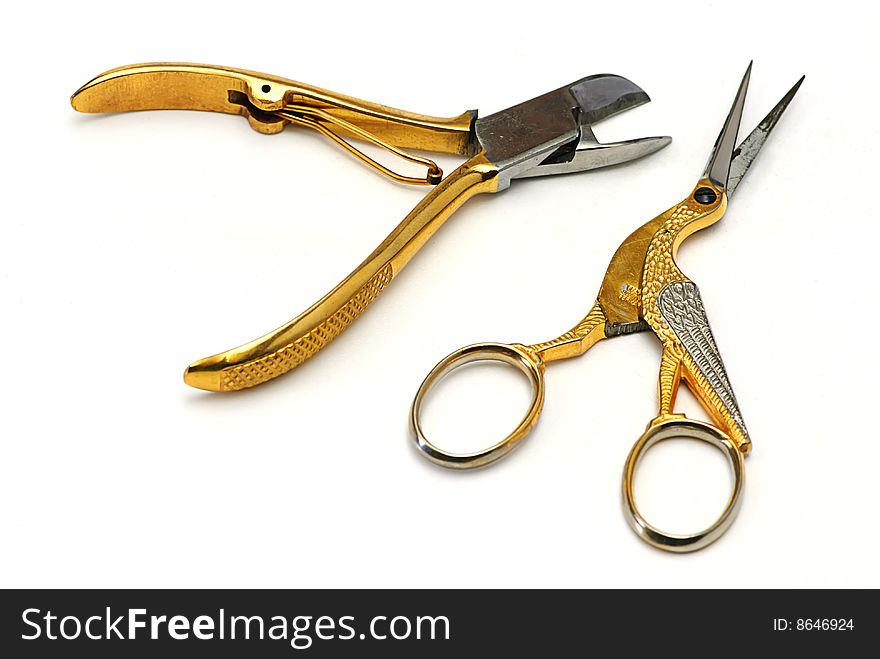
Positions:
{"x": 749, "y": 148}
{"x": 718, "y": 167}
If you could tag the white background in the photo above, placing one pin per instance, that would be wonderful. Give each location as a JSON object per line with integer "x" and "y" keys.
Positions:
{"x": 134, "y": 244}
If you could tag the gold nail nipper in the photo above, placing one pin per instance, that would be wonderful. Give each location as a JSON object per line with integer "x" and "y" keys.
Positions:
{"x": 550, "y": 134}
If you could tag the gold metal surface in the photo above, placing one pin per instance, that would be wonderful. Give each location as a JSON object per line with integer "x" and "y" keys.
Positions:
{"x": 317, "y": 119}
{"x": 575, "y": 341}
{"x": 292, "y": 344}
{"x": 259, "y": 96}
{"x": 640, "y": 268}
{"x": 643, "y": 289}
{"x": 660, "y": 270}
{"x": 270, "y": 103}
{"x": 619, "y": 295}
{"x": 549, "y": 134}
{"x": 628, "y": 298}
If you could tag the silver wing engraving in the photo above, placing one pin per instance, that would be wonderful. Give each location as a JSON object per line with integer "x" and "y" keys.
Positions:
{"x": 682, "y": 309}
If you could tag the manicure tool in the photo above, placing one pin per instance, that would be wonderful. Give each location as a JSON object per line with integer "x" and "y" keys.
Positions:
{"x": 550, "y": 134}
{"x": 644, "y": 289}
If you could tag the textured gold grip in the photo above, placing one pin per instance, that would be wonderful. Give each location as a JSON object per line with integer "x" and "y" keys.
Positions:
{"x": 256, "y": 370}
{"x": 575, "y": 341}
{"x": 290, "y": 345}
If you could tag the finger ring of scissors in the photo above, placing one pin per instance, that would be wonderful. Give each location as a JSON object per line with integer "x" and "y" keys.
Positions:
{"x": 690, "y": 429}
{"x": 513, "y": 355}
{"x": 644, "y": 289}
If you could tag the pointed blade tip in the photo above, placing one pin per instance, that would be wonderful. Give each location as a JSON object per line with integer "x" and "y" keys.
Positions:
{"x": 749, "y": 148}
{"x": 747, "y": 76}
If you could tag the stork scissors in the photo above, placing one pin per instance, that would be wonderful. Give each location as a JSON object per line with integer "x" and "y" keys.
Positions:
{"x": 644, "y": 289}
{"x": 550, "y": 134}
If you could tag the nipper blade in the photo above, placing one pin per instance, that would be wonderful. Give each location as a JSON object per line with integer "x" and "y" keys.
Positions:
{"x": 605, "y": 95}
{"x": 594, "y": 155}
{"x": 552, "y": 134}
{"x": 600, "y": 97}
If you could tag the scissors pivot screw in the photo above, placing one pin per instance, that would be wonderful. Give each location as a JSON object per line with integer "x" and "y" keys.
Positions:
{"x": 705, "y": 196}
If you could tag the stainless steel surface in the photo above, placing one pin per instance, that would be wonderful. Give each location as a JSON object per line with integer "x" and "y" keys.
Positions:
{"x": 749, "y": 148}
{"x": 500, "y": 352}
{"x": 552, "y": 131}
{"x": 682, "y": 308}
{"x": 643, "y": 289}
{"x": 718, "y": 167}
{"x": 685, "y": 428}
{"x": 593, "y": 155}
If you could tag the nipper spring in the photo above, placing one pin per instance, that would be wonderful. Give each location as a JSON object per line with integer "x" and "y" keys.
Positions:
{"x": 318, "y": 119}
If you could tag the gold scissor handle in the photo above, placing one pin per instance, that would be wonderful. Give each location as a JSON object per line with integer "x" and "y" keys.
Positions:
{"x": 530, "y": 360}
{"x": 677, "y": 426}
{"x": 290, "y": 345}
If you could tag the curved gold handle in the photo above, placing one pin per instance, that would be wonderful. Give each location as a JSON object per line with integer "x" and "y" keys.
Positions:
{"x": 290, "y": 345}
{"x": 259, "y": 97}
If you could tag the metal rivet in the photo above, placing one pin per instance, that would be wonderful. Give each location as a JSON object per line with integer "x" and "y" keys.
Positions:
{"x": 705, "y": 195}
